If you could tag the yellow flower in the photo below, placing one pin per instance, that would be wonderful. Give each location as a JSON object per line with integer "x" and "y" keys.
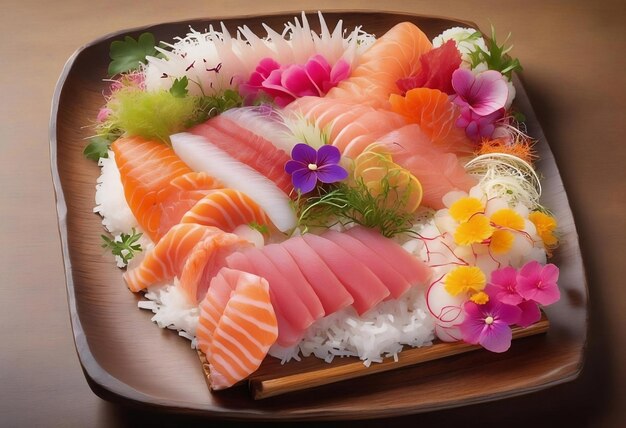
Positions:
{"x": 501, "y": 241}
{"x": 508, "y": 218}
{"x": 465, "y": 279}
{"x": 545, "y": 226}
{"x": 480, "y": 298}
{"x": 465, "y": 208}
{"x": 474, "y": 231}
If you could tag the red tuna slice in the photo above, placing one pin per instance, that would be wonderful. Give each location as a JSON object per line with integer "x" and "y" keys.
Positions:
{"x": 288, "y": 334}
{"x": 392, "y": 279}
{"x": 281, "y": 260}
{"x": 411, "y": 268}
{"x": 248, "y": 148}
{"x": 331, "y": 292}
{"x": 365, "y": 287}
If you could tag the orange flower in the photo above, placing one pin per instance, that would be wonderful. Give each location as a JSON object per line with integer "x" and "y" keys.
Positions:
{"x": 545, "y": 225}
{"x": 473, "y": 231}
{"x": 508, "y": 218}
{"x": 466, "y": 207}
{"x": 465, "y": 279}
{"x": 501, "y": 241}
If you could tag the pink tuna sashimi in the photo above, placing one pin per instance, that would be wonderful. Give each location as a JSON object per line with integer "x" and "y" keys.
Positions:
{"x": 351, "y": 127}
{"x": 280, "y": 278}
{"x": 288, "y": 333}
{"x": 285, "y": 264}
{"x": 331, "y": 292}
{"x": 392, "y": 279}
{"x": 248, "y": 148}
{"x": 437, "y": 171}
{"x": 410, "y": 267}
{"x": 395, "y": 55}
{"x": 365, "y": 287}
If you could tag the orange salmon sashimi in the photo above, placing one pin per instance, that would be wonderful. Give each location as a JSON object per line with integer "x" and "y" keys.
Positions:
{"x": 237, "y": 326}
{"x": 436, "y": 115}
{"x": 166, "y": 260}
{"x": 226, "y": 209}
{"x": 395, "y": 55}
{"x": 147, "y": 170}
{"x": 204, "y": 261}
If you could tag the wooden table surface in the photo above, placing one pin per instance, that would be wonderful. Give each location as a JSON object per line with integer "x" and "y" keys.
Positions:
{"x": 574, "y": 64}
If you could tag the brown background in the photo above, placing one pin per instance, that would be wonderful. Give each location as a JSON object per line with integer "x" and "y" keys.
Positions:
{"x": 573, "y": 55}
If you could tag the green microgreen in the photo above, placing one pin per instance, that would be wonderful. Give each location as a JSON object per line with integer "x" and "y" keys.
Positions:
{"x": 496, "y": 56}
{"x": 179, "y": 87}
{"x": 125, "y": 245}
{"x": 97, "y": 148}
{"x": 128, "y": 54}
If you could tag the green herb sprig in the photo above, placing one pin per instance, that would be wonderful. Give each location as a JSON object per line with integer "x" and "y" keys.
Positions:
{"x": 129, "y": 53}
{"x": 126, "y": 247}
{"x": 496, "y": 56}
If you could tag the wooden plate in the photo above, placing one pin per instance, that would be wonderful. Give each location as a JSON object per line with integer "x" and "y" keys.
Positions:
{"x": 127, "y": 359}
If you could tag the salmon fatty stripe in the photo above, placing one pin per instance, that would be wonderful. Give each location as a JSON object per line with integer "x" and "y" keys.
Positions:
{"x": 411, "y": 268}
{"x": 205, "y": 259}
{"x": 395, "y": 55}
{"x": 166, "y": 260}
{"x": 201, "y": 155}
{"x": 146, "y": 169}
{"x": 237, "y": 326}
{"x": 226, "y": 209}
{"x": 247, "y": 147}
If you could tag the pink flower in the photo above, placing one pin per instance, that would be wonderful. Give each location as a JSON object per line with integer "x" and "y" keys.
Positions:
{"x": 503, "y": 285}
{"x": 488, "y": 325}
{"x": 484, "y": 93}
{"x": 284, "y": 84}
{"x": 103, "y": 114}
{"x": 538, "y": 283}
{"x": 530, "y": 313}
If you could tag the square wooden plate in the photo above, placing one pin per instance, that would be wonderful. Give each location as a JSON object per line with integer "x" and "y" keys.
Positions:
{"x": 126, "y": 358}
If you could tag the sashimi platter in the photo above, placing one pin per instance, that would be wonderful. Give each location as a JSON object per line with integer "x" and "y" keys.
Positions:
{"x": 320, "y": 192}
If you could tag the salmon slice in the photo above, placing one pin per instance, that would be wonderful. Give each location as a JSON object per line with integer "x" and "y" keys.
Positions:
{"x": 438, "y": 172}
{"x": 365, "y": 287}
{"x": 288, "y": 335}
{"x": 237, "y": 326}
{"x": 205, "y": 259}
{"x": 226, "y": 209}
{"x": 146, "y": 168}
{"x": 393, "y": 56}
{"x": 166, "y": 260}
{"x": 436, "y": 115}
{"x": 248, "y": 148}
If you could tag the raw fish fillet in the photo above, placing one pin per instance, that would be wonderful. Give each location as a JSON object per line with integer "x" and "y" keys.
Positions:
{"x": 237, "y": 326}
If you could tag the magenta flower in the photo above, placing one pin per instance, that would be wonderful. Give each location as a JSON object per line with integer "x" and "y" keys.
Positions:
{"x": 538, "y": 283}
{"x": 503, "y": 285}
{"x": 103, "y": 114}
{"x": 530, "y": 313}
{"x": 284, "y": 84}
{"x": 484, "y": 93}
{"x": 477, "y": 126}
{"x": 308, "y": 166}
{"x": 488, "y": 325}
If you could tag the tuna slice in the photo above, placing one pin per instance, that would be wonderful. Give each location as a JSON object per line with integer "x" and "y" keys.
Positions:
{"x": 237, "y": 326}
{"x": 365, "y": 287}
{"x": 392, "y": 279}
{"x": 411, "y": 268}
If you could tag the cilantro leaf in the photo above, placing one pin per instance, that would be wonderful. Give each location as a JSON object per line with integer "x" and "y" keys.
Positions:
{"x": 125, "y": 246}
{"x": 97, "y": 148}
{"x": 179, "y": 87}
{"x": 128, "y": 54}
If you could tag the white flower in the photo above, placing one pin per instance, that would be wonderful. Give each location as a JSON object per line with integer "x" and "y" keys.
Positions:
{"x": 465, "y": 41}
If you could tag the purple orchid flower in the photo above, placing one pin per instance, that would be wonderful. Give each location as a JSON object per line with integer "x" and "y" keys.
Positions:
{"x": 539, "y": 283}
{"x": 484, "y": 93}
{"x": 477, "y": 126}
{"x": 489, "y": 325}
{"x": 308, "y": 166}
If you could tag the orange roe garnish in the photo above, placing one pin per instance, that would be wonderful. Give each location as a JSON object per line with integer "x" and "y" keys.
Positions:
{"x": 522, "y": 149}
